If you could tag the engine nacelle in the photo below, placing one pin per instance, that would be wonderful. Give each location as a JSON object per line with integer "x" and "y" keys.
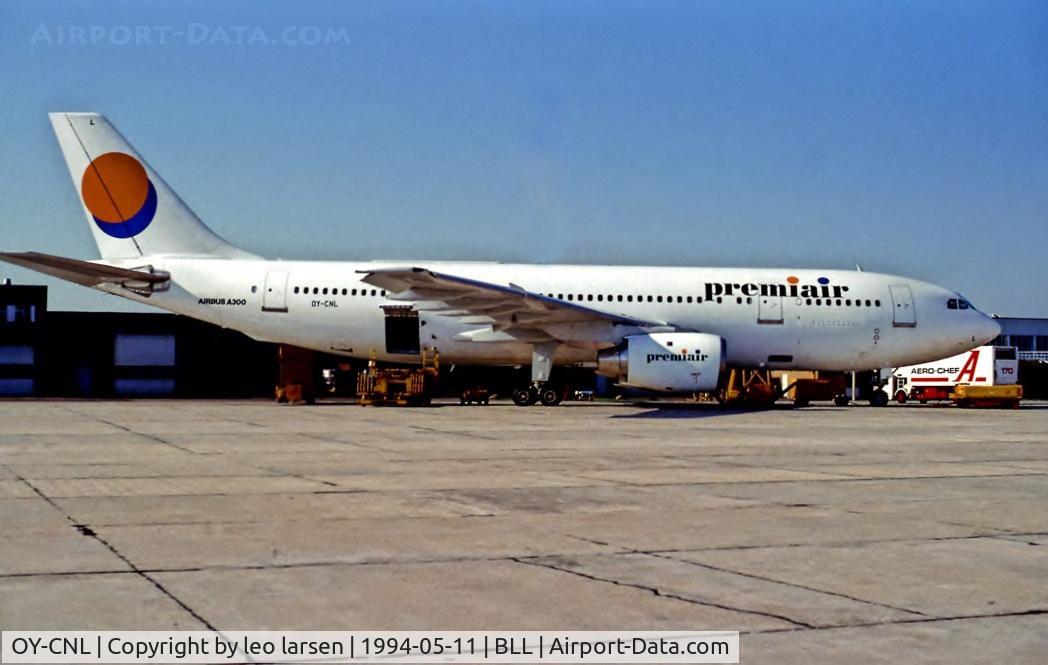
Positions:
{"x": 668, "y": 362}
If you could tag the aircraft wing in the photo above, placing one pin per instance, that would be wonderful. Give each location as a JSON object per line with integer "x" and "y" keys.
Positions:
{"x": 509, "y": 309}
{"x": 86, "y": 273}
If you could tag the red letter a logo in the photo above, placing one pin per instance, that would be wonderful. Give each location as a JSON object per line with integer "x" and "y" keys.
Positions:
{"x": 969, "y": 367}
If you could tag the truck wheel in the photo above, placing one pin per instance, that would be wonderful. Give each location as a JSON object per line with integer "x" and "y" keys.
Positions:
{"x": 879, "y": 398}
{"x": 900, "y": 397}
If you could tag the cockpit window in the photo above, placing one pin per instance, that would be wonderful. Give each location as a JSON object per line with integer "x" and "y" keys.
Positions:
{"x": 958, "y": 303}
{"x": 951, "y": 303}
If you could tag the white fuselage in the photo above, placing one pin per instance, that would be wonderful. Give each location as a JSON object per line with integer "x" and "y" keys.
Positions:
{"x": 776, "y": 318}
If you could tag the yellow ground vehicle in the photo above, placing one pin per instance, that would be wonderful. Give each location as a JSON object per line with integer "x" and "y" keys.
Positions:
{"x": 399, "y": 386}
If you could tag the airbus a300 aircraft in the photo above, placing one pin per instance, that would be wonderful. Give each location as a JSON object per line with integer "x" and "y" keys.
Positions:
{"x": 662, "y": 329}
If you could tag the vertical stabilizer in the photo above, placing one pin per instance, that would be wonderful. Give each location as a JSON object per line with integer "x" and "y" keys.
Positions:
{"x": 130, "y": 209}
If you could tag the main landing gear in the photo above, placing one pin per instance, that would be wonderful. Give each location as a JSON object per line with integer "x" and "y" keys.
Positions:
{"x": 536, "y": 394}
{"x": 540, "y": 390}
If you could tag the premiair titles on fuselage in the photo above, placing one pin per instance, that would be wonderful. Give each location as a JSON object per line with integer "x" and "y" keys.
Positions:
{"x": 793, "y": 290}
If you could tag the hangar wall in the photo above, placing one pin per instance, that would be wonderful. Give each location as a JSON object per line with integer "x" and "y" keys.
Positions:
{"x": 107, "y": 354}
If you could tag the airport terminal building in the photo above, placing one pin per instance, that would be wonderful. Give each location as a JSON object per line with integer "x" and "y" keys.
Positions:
{"x": 1028, "y": 336}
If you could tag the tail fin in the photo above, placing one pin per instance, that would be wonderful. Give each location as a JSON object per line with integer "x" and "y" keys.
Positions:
{"x": 130, "y": 209}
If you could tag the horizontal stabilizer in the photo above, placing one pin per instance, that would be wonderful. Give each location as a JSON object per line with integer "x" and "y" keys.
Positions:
{"x": 85, "y": 273}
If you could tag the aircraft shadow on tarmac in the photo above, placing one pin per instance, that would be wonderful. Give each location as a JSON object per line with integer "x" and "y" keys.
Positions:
{"x": 686, "y": 410}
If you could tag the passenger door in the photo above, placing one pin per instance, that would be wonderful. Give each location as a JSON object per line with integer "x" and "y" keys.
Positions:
{"x": 274, "y": 297}
{"x": 903, "y": 313}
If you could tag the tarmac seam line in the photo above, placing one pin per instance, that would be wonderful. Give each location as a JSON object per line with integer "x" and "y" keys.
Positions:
{"x": 151, "y": 437}
{"x": 842, "y": 544}
{"x": 785, "y": 583}
{"x": 926, "y": 619}
{"x": 87, "y": 531}
{"x": 529, "y": 561}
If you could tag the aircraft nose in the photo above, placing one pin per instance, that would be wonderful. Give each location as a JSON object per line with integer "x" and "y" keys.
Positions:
{"x": 987, "y": 329}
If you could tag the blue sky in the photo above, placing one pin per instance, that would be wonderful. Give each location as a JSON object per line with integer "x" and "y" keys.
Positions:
{"x": 911, "y": 137}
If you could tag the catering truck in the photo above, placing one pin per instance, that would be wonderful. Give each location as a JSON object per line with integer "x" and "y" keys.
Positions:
{"x": 984, "y": 374}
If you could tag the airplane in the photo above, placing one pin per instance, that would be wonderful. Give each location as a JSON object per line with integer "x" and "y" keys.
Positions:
{"x": 664, "y": 329}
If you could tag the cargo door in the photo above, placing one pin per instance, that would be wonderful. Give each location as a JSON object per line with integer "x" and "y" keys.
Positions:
{"x": 903, "y": 313}
{"x": 274, "y": 297}
{"x": 769, "y": 310}
{"x": 402, "y": 330}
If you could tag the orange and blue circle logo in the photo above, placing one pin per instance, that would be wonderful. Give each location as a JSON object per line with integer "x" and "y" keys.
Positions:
{"x": 119, "y": 195}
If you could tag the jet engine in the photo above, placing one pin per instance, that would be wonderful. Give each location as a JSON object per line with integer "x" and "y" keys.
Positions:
{"x": 668, "y": 362}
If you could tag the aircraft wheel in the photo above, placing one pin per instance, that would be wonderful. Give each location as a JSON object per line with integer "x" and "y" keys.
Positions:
{"x": 523, "y": 397}
{"x": 550, "y": 397}
{"x": 841, "y": 400}
{"x": 879, "y": 398}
